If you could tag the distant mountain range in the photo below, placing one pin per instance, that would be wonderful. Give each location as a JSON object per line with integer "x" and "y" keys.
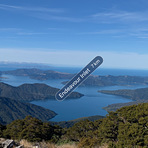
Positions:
{"x": 107, "y": 80}
{"x": 31, "y": 92}
{"x": 110, "y": 80}
{"x": 8, "y": 64}
{"x": 39, "y": 74}
{"x": 13, "y": 109}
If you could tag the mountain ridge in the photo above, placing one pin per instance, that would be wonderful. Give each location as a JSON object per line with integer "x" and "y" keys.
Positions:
{"x": 13, "y": 109}
{"x": 139, "y": 95}
{"x": 31, "y": 92}
{"x": 133, "y": 94}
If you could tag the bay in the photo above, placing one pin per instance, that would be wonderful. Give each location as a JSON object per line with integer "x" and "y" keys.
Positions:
{"x": 88, "y": 105}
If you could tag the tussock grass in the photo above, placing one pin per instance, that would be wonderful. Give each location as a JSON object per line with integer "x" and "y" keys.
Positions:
{"x": 67, "y": 146}
{"x": 47, "y": 145}
{"x": 26, "y": 144}
{"x": 43, "y": 144}
{"x": 104, "y": 146}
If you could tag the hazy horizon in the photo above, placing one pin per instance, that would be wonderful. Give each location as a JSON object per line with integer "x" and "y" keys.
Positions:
{"x": 47, "y": 65}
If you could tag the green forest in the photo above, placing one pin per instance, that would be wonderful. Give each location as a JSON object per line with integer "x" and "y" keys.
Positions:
{"x": 126, "y": 127}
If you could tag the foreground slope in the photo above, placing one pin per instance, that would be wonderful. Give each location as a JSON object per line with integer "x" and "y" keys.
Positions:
{"x": 125, "y": 128}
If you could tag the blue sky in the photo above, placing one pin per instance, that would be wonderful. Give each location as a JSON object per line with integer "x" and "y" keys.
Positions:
{"x": 72, "y": 32}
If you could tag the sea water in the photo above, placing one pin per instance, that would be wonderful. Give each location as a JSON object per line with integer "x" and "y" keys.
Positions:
{"x": 89, "y": 105}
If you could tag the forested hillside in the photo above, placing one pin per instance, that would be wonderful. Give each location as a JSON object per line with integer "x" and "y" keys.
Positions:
{"x": 30, "y": 92}
{"x": 11, "y": 110}
{"x": 127, "y": 127}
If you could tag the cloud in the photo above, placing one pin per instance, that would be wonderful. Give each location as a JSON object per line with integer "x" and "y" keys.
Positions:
{"x": 105, "y": 31}
{"x": 9, "y": 29}
{"x": 18, "y": 32}
{"x": 137, "y": 32}
{"x": 56, "y": 17}
{"x": 31, "y": 33}
{"x": 128, "y": 60}
{"x": 33, "y": 9}
{"x": 57, "y": 14}
{"x": 42, "y": 13}
{"x": 120, "y": 17}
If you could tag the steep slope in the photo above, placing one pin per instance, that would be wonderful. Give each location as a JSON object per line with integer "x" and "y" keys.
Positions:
{"x": 125, "y": 128}
{"x": 11, "y": 110}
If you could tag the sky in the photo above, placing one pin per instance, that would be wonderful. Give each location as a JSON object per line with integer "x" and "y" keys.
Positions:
{"x": 73, "y": 32}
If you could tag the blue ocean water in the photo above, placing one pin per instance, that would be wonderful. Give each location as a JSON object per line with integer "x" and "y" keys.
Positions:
{"x": 88, "y": 105}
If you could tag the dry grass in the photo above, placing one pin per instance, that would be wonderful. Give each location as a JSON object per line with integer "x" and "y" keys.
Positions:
{"x": 2, "y": 140}
{"x": 26, "y": 144}
{"x": 43, "y": 144}
{"x": 67, "y": 146}
{"x": 103, "y": 146}
{"x": 47, "y": 145}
